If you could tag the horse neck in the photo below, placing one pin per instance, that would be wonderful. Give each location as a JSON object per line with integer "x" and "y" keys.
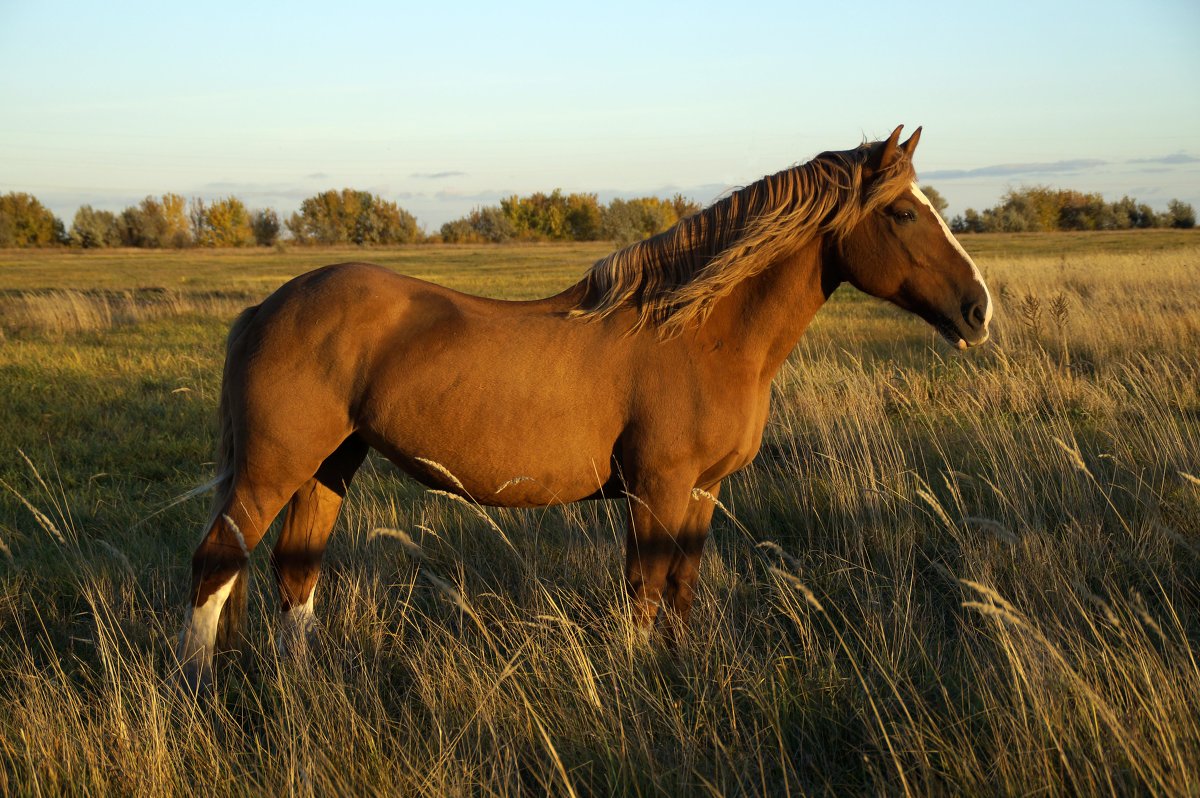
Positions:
{"x": 762, "y": 319}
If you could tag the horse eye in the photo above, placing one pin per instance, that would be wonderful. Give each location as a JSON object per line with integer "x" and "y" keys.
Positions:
{"x": 905, "y": 217}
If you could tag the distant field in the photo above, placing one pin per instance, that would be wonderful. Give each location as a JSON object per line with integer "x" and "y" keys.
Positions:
{"x": 945, "y": 574}
{"x": 513, "y": 271}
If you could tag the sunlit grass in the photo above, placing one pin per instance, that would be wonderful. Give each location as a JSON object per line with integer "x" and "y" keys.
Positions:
{"x": 945, "y": 574}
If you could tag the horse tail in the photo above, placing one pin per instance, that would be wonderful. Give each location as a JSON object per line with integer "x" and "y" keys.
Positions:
{"x": 229, "y": 626}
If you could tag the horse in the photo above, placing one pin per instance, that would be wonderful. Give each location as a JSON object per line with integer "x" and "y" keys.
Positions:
{"x": 648, "y": 380}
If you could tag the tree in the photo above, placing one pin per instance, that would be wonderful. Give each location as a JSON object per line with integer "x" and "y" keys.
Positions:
{"x": 935, "y": 199}
{"x": 92, "y": 229}
{"x": 265, "y": 224}
{"x": 554, "y": 216}
{"x": 156, "y": 222}
{"x": 539, "y": 216}
{"x": 569, "y": 217}
{"x": 1039, "y": 208}
{"x": 492, "y": 224}
{"x": 177, "y": 231}
{"x": 626, "y": 221}
{"x": 1124, "y": 213}
{"x": 1180, "y": 215}
{"x": 458, "y": 231}
{"x": 584, "y": 217}
{"x": 223, "y": 223}
{"x": 969, "y": 222}
{"x": 684, "y": 207}
{"x": 142, "y": 225}
{"x": 25, "y": 222}
{"x": 1024, "y": 210}
{"x": 1079, "y": 211}
{"x": 384, "y": 222}
{"x": 1146, "y": 217}
{"x": 352, "y": 217}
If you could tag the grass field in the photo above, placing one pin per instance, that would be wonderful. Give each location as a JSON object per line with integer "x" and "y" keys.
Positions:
{"x": 945, "y": 574}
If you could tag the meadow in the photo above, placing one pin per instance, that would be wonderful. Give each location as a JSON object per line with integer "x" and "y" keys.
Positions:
{"x": 945, "y": 574}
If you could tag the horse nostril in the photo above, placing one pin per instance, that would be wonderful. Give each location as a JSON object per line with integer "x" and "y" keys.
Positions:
{"x": 975, "y": 313}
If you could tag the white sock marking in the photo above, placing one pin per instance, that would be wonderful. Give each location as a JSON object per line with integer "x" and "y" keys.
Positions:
{"x": 295, "y": 626}
{"x": 199, "y": 635}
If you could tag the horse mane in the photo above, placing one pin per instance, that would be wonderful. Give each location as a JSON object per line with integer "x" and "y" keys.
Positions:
{"x": 675, "y": 278}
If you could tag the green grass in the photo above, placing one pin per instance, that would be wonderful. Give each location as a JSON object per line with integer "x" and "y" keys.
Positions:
{"x": 1078, "y": 244}
{"x": 511, "y": 271}
{"x": 980, "y": 573}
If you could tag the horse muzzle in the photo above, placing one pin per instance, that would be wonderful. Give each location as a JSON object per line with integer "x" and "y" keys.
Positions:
{"x": 968, "y": 327}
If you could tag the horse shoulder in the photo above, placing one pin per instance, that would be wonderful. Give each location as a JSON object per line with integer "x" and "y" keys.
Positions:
{"x": 699, "y": 408}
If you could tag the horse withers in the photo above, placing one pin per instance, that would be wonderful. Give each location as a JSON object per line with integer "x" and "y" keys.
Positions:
{"x": 648, "y": 380}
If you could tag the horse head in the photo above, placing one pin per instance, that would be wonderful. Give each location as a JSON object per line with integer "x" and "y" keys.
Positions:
{"x": 901, "y": 249}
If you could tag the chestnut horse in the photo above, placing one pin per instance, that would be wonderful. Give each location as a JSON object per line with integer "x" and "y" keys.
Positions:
{"x": 648, "y": 379}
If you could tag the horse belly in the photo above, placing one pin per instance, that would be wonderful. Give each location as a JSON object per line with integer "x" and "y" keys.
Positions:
{"x": 497, "y": 444}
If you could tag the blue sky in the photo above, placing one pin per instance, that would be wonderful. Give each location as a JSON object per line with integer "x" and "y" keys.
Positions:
{"x": 444, "y": 109}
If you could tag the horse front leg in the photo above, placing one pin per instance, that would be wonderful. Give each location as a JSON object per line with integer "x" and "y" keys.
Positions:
{"x": 684, "y": 571}
{"x": 659, "y": 511}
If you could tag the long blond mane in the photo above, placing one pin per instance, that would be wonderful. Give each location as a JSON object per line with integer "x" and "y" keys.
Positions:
{"x": 674, "y": 278}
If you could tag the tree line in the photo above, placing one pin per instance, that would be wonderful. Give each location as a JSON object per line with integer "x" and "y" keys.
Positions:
{"x": 359, "y": 217}
{"x": 155, "y": 222}
{"x": 1040, "y": 208}
{"x": 569, "y": 217}
{"x": 334, "y": 217}
{"x": 170, "y": 221}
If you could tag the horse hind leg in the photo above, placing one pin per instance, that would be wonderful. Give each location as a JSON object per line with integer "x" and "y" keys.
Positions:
{"x": 244, "y": 510}
{"x": 296, "y": 558}
{"x": 247, "y": 502}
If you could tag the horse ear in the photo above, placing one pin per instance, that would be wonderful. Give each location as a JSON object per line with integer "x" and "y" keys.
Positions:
{"x": 887, "y": 153}
{"x": 910, "y": 146}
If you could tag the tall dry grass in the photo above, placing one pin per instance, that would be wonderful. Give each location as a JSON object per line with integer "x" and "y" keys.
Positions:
{"x": 945, "y": 574}
{"x": 67, "y": 311}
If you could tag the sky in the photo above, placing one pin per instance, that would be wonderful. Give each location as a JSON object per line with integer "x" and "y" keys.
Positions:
{"x": 443, "y": 107}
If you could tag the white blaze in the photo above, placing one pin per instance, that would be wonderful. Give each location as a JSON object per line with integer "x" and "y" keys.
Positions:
{"x": 920, "y": 195}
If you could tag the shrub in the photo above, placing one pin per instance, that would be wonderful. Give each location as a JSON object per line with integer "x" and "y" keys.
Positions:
{"x": 488, "y": 224}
